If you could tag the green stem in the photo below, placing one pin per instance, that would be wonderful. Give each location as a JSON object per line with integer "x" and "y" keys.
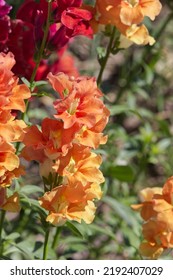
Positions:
{"x": 56, "y": 237}
{"x": 3, "y": 212}
{"x": 45, "y": 249}
{"x": 164, "y": 24}
{"x": 108, "y": 51}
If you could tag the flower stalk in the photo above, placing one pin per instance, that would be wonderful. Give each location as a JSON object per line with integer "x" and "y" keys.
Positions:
{"x": 45, "y": 248}
{"x": 108, "y": 52}
{"x": 1, "y": 227}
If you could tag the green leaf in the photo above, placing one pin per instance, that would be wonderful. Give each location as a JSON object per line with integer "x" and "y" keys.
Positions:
{"x": 12, "y": 236}
{"x": 118, "y": 109}
{"x": 40, "y": 83}
{"x": 33, "y": 203}
{"x": 23, "y": 247}
{"x": 124, "y": 212}
{"x": 31, "y": 189}
{"x": 101, "y": 51}
{"x": 123, "y": 173}
{"x": 102, "y": 229}
{"x": 25, "y": 81}
{"x": 74, "y": 229}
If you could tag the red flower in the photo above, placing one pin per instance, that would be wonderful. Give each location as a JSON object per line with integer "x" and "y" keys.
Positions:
{"x": 73, "y": 20}
{"x": 4, "y": 23}
{"x": 4, "y": 8}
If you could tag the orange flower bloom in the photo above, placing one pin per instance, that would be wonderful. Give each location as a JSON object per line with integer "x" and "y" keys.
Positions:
{"x": 12, "y": 95}
{"x": 71, "y": 202}
{"x": 9, "y": 164}
{"x": 126, "y": 15}
{"x": 51, "y": 142}
{"x": 79, "y": 101}
{"x": 9, "y": 203}
{"x": 136, "y": 34}
{"x": 80, "y": 164}
{"x": 120, "y": 12}
{"x": 90, "y": 138}
{"x": 151, "y": 250}
{"x": 12, "y": 131}
{"x": 157, "y": 211}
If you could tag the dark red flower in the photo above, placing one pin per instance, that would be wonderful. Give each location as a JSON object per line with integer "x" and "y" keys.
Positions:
{"x": 61, "y": 5}
{"x": 4, "y": 8}
{"x": 4, "y": 24}
{"x": 72, "y": 20}
{"x": 21, "y": 44}
{"x": 30, "y": 10}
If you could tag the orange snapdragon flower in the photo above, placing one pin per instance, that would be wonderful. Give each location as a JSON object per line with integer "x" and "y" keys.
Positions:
{"x": 80, "y": 101}
{"x": 123, "y": 13}
{"x": 12, "y": 131}
{"x": 157, "y": 211}
{"x": 52, "y": 141}
{"x": 9, "y": 164}
{"x": 126, "y": 15}
{"x": 71, "y": 202}
{"x": 10, "y": 203}
{"x": 80, "y": 164}
{"x": 62, "y": 146}
{"x": 90, "y": 138}
{"x": 12, "y": 95}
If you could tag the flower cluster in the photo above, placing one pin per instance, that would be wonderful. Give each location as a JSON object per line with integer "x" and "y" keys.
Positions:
{"x": 157, "y": 212}
{"x": 127, "y": 16}
{"x": 12, "y": 97}
{"x": 23, "y": 36}
{"x": 63, "y": 147}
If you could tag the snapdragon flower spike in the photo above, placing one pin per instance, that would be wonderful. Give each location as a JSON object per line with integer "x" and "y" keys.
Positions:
{"x": 157, "y": 212}
{"x": 12, "y": 97}
{"x": 63, "y": 148}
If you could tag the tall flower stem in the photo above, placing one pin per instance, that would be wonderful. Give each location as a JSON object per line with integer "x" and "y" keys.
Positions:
{"x": 45, "y": 249}
{"x": 56, "y": 237}
{"x": 1, "y": 227}
{"x": 104, "y": 61}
